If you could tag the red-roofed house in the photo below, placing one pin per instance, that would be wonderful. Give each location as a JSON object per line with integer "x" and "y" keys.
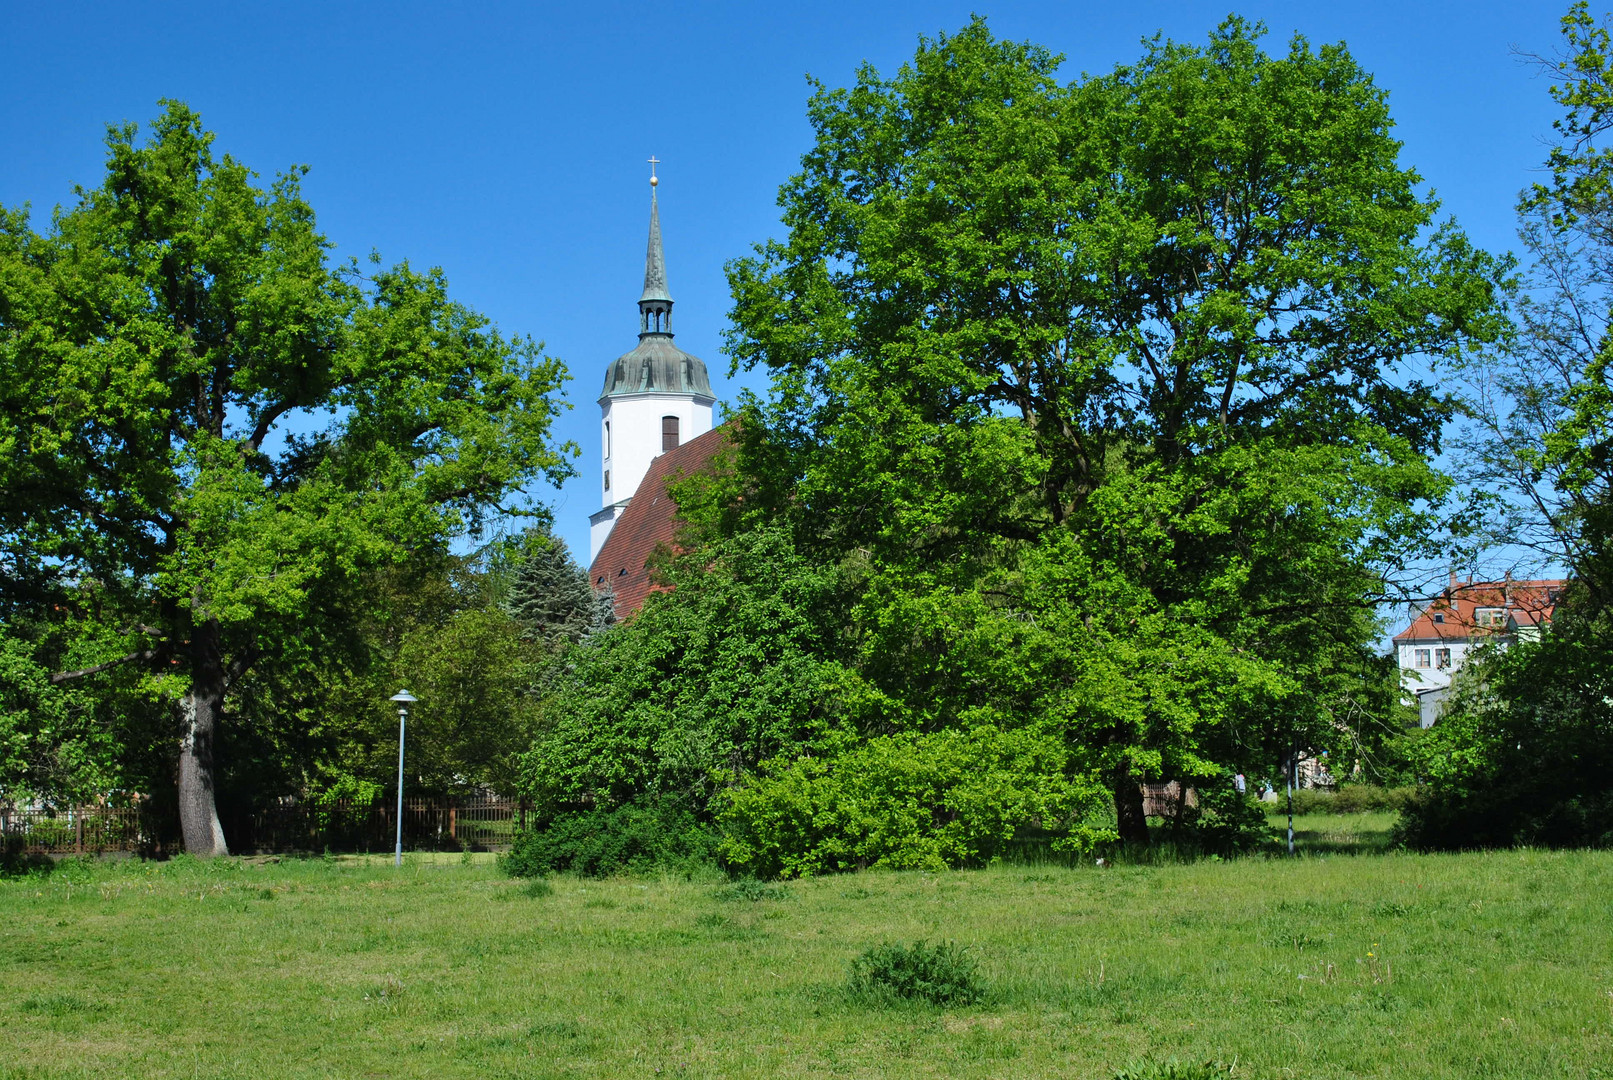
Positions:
{"x": 649, "y": 522}
{"x": 1463, "y": 617}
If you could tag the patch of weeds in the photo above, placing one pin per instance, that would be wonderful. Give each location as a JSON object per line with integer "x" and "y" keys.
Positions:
{"x": 859, "y": 893}
{"x": 389, "y": 993}
{"x": 265, "y": 894}
{"x": 74, "y": 870}
{"x": 1291, "y": 940}
{"x": 56, "y": 1005}
{"x": 981, "y": 1044}
{"x": 711, "y": 920}
{"x": 941, "y": 974}
{"x": 537, "y": 888}
{"x": 749, "y": 889}
{"x": 1173, "y": 1069}
{"x": 1386, "y": 910}
{"x": 561, "y": 1031}
{"x": 600, "y": 902}
{"x": 1040, "y": 879}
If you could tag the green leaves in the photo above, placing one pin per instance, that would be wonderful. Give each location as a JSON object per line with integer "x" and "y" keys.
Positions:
{"x": 1108, "y": 389}
{"x": 225, "y": 433}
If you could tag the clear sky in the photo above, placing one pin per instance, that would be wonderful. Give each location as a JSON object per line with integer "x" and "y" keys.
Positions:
{"x": 506, "y": 142}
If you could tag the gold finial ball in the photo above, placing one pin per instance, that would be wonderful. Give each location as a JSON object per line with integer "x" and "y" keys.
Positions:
{"x": 654, "y": 181}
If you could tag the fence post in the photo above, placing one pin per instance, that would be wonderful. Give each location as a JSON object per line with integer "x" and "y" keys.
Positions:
{"x": 78, "y": 830}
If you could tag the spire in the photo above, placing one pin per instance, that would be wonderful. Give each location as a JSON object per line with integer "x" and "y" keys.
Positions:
{"x": 654, "y": 258}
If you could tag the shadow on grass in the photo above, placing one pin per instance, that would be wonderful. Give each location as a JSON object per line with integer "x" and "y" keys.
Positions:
{"x": 1337, "y": 834}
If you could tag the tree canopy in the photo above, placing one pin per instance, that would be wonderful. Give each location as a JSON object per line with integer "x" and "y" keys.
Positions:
{"x": 1127, "y": 367}
{"x": 1105, "y": 406}
{"x": 210, "y": 433}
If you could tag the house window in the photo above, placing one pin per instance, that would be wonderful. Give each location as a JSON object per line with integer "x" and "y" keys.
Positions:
{"x": 1490, "y": 616}
{"x": 1423, "y": 657}
{"x": 1442, "y": 658}
{"x": 669, "y": 433}
{"x": 1439, "y": 617}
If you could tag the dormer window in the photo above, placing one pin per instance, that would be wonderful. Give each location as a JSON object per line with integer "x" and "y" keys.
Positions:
{"x": 1439, "y": 616}
{"x": 1490, "y": 616}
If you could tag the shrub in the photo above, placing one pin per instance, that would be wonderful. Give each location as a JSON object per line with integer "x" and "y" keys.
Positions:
{"x": 600, "y": 842}
{"x": 14, "y": 863}
{"x": 909, "y": 802}
{"x": 942, "y": 974}
{"x": 1350, "y": 799}
{"x": 1223, "y": 823}
{"x": 1524, "y": 751}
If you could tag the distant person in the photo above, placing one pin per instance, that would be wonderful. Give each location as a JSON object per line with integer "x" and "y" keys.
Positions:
{"x": 1238, "y": 784}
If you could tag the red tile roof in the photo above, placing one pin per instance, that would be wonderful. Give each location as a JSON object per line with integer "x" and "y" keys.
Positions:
{"x": 649, "y": 523}
{"x": 1522, "y": 603}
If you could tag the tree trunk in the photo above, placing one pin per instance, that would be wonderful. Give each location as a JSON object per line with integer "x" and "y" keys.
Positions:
{"x": 198, "y": 807}
{"x": 1130, "y": 819}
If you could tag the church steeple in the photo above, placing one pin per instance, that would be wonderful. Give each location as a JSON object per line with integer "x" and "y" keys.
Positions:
{"x": 655, "y": 306}
{"x": 655, "y": 398}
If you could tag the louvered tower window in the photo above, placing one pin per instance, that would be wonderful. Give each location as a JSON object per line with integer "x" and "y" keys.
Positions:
{"x": 669, "y": 433}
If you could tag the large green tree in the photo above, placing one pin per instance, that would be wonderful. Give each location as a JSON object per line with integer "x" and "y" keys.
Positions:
{"x": 1120, "y": 376}
{"x": 217, "y": 433}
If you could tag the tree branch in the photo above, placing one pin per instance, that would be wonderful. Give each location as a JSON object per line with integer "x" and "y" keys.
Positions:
{"x": 66, "y": 676}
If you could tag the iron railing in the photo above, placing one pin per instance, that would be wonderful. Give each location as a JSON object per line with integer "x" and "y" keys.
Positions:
{"x": 474, "y": 823}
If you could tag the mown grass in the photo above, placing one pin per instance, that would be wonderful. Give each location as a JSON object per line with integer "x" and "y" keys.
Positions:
{"x": 1392, "y": 965}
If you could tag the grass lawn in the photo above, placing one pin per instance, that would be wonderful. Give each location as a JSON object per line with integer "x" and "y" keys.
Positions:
{"x": 1384, "y": 965}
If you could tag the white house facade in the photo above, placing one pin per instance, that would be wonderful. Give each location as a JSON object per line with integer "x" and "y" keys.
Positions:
{"x": 1467, "y": 616}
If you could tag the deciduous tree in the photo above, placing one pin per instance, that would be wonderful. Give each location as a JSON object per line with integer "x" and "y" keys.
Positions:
{"x": 1122, "y": 371}
{"x": 205, "y": 421}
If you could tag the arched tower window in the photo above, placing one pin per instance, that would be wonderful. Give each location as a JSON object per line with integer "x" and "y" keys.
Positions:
{"x": 607, "y": 443}
{"x": 669, "y": 433}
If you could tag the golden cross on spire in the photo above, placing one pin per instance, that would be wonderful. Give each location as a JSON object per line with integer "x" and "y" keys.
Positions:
{"x": 654, "y": 161}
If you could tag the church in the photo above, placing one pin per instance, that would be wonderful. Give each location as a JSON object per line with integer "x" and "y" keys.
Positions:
{"x": 655, "y": 425}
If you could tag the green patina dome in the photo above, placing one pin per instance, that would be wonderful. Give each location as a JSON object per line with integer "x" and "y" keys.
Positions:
{"x": 657, "y": 366}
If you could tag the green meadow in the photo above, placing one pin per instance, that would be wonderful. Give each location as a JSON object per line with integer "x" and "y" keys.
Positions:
{"x": 1329, "y": 965}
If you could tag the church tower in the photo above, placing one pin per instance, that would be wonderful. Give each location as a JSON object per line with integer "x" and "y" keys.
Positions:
{"x": 655, "y": 398}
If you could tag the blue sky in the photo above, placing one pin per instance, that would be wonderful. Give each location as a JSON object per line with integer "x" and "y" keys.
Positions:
{"x": 506, "y": 142}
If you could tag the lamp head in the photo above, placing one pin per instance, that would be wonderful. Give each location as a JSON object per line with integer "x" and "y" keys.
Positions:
{"x": 403, "y": 697}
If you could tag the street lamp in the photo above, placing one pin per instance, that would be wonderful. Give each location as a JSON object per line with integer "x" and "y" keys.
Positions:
{"x": 404, "y": 700}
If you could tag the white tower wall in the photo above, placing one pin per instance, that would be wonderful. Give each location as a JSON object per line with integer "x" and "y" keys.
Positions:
{"x": 629, "y": 439}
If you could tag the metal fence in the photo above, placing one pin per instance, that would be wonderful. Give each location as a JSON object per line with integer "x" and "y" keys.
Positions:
{"x": 76, "y": 830}
{"x": 477, "y": 823}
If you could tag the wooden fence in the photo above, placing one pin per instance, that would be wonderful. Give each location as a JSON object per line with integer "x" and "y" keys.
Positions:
{"x": 481, "y": 823}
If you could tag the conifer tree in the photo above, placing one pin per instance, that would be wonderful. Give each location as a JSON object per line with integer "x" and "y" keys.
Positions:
{"x": 550, "y": 596}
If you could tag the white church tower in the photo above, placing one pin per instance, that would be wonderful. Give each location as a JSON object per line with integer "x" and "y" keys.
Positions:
{"x": 655, "y": 398}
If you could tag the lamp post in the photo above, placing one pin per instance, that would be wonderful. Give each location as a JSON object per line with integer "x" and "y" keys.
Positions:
{"x": 404, "y": 700}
